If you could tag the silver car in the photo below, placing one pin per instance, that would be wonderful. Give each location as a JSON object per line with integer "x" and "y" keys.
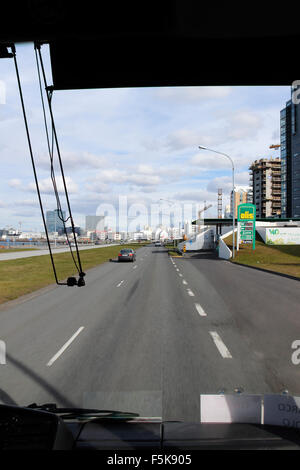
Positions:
{"x": 126, "y": 254}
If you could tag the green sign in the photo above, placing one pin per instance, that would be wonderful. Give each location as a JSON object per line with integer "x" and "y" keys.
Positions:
{"x": 246, "y": 212}
{"x": 246, "y": 219}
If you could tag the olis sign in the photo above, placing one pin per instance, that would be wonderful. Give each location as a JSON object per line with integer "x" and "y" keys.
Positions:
{"x": 246, "y": 224}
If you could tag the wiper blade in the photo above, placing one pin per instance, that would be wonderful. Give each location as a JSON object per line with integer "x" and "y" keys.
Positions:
{"x": 71, "y": 413}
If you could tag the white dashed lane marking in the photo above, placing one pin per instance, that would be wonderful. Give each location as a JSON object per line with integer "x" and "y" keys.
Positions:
{"x": 200, "y": 310}
{"x": 191, "y": 293}
{"x": 220, "y": 345}
{"x": 59, "y": 353}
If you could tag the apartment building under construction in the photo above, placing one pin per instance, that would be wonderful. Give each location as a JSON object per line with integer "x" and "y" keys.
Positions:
{"x": 265, "y": 179}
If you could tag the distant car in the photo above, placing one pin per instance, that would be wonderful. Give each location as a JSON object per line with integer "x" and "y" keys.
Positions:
{"x": 157, "y": 243}
{"x": 127, "y": 254}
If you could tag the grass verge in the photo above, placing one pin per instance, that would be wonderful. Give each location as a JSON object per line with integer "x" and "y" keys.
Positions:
{"x": 173, "y": 253}
{"x": 283, "y": 259}
{"x": 22, "y": 276}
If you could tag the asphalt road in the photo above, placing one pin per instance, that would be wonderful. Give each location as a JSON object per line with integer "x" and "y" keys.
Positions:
{"x": 151, "y": 336}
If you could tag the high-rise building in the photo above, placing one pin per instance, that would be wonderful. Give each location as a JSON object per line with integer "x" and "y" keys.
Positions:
{"x": 77, "y": 230}
{"x": 227, "y": 211}
{"x": 94, "y": 222}
{"x": 242, "y": 195}
{"x": 54, "y": 220}
{"x": 286, "y": 160}
{"x": 290, "y": 158}
{"x": 295, "y": 122}
{"x": 266, "y": 185}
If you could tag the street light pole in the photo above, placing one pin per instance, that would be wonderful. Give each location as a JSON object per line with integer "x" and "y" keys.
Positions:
{"x": 233, "y": 195}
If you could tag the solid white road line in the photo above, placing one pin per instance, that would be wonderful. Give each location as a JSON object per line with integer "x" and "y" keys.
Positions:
{"x": 120, "y": 283}
{"x": 191, "y": 293}
{"x": 59, "y": 353}
{"x": 184, "y": 282}
{"x": 220, "y": 345}
{"x": 200, "y": 310}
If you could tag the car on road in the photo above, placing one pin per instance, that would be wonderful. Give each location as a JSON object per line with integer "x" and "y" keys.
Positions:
{"x": 157, "y": 243}
{"x": 127, "y": 254}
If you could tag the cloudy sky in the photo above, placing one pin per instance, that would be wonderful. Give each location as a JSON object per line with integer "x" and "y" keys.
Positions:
{"x": 142, "y": 143}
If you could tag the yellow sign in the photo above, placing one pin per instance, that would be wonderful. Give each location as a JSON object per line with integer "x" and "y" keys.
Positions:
{"x": 247, "y": 215}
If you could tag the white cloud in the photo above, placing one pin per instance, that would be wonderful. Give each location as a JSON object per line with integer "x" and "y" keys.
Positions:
{"x": 193, "y": 95}
{"x": 74, "y": 161}
{"x": 241, "y": 180}
{"x": 244, "y": 124}
{"x": 25, "y": 214}
{"x": 143, "y": 175}
{"x": 210, "y": 161}
{"x": 194, "y": 195}
{"x": 46, "y": 186}
{"x": 184, "y": 138}
{"x": 142, "y": 179}
{"x": 224, "y": 182}
{"x": 25, "y": 203}
{"x": 15, "y": 183}
{"x": 97, "y": 187}
{"x": 145, "y": 169}
{"x": 226, "y": 127}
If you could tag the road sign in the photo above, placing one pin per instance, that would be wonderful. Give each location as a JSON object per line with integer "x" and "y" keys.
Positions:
{"x": 246, "y": 223}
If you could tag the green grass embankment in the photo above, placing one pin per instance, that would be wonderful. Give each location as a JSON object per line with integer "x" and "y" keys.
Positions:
{"x": 283, "y": 259}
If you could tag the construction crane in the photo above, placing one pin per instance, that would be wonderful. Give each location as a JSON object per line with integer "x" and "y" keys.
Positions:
{"x": 276, "y": 146}
{"x": 204, "y": 209}
{"x": 200, "y": 212}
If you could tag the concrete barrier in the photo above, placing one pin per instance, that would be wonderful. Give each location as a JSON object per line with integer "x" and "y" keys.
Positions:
{"x": 200, "y": 241}
{"x": 223, "y": 251}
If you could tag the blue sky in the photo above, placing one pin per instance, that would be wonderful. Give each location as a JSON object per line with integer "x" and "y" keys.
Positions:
{"x": 142, "y": 142}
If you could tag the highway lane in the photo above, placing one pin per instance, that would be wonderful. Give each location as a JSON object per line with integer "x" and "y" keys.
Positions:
{"x": 152, "y": 335}
{"x": 261, "y": 308}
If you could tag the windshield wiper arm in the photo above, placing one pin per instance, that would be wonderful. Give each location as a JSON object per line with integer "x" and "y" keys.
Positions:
{"x": 71, "y": 413}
